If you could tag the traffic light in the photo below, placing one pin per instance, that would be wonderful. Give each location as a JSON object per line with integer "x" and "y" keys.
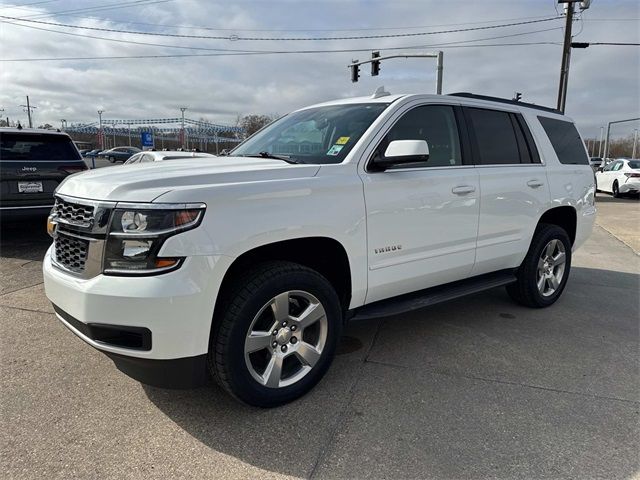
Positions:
{"x": 517, "y": 96}
{"x": 375, "y": 64}
{"x": 355, "y": 71}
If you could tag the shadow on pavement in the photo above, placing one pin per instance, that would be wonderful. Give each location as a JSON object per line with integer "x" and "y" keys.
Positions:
{"x": 559, "y": 380}
{"x": 602, "y": 197}
{"x": 25, "y": 238}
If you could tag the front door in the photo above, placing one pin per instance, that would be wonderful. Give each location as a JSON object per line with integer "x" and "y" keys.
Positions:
{"x": 422, "y": 220}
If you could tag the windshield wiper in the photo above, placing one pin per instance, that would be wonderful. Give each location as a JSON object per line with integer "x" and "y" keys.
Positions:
{"x": 284, "y": 158}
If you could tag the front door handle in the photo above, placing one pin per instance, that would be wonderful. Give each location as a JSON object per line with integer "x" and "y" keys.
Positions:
{"x": 463, "y": 189}
{"x": 535, "y": 183}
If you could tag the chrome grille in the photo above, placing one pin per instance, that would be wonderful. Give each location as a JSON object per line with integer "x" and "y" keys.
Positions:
{"x": 71, "y": 252}
{"x": 73, "y": 213}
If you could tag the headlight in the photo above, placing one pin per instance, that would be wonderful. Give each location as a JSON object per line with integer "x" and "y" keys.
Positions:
{"x": 137, "y": 233}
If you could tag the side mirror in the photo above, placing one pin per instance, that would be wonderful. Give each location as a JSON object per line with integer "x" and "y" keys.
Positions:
{"x": 400, "y": 152}
{"x": 600, "y": 169}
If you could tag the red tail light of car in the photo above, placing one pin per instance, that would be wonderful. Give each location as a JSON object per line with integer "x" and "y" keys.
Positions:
{"x": 632, "y": 175}
{"x": 73, "y": 168}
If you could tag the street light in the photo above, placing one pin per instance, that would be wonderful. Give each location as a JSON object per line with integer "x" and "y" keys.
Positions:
{"x": 182, "y": 109}
{"x": 100, "y": 134}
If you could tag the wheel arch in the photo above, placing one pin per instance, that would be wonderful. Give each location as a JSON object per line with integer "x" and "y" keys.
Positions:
{"x": 325, "y": 255}
{"x": 565, "y": 217}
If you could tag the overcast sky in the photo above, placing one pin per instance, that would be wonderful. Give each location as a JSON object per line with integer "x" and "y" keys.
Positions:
{"x": 603, "y": 86}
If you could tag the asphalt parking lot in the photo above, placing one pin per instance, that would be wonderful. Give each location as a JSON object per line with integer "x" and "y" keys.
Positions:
{"x": 474, "y": 388}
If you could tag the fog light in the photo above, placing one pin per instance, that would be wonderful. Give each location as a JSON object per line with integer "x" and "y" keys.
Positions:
{"x": 136, "y": 248}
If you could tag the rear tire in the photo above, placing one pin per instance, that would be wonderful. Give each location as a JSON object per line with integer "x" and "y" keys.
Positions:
{"x": 543, "y": 274}
{"x": 615, "y": 190}
{"x": 275, "y": 333}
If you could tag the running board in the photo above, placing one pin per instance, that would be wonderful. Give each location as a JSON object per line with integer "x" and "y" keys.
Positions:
{"x": 431, "y": 296}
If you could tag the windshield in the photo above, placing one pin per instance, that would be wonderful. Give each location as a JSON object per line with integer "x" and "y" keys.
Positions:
{"x": 315, "y": 135}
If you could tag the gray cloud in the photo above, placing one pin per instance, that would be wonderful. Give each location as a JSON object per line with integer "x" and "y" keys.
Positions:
{"x": 603, "y": 84}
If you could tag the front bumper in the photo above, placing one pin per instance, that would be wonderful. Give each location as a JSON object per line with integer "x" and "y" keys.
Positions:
{"x": 176, "y": 307}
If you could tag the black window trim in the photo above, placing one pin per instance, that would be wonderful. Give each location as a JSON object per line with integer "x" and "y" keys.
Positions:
{"x": 463, "y": 138}
{"x": 516, "y": 120}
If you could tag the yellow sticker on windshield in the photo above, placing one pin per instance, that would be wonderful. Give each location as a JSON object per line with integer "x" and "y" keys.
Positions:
{"x": 342, "y": 140}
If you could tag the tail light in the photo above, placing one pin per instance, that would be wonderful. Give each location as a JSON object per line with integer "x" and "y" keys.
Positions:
{"x": 73, "y": 168}
{"x": 632, "y": 175}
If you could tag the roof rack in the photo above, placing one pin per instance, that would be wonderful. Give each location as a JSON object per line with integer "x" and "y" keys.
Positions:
{"x": 504, "y": 100}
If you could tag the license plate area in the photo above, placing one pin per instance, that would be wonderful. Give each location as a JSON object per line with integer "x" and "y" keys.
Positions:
{"x": 30, "y": 187}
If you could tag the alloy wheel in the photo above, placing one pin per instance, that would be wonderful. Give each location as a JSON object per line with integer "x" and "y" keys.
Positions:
{"x": 286, "y": 339}
{"x": 551, "y": 268}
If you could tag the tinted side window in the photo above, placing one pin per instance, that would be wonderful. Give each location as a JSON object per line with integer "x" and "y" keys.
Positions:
{"x": 495, "y": 137}
{"x": 436, "y": 124}
{"x": 565, "y": 140}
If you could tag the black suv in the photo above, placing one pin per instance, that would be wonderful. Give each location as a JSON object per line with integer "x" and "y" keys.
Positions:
{"x": 32, "y": 164}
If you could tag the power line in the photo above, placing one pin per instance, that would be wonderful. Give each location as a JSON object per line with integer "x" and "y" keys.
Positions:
{"x": 623, "y": 44}
{"x": 30, "y": 4}
{"x": 236, "y": 37}
{"x": 297, "y": 52}
{"x": 289, "y": 29}
{"x": 110, "y": 6}
{"x": 258, "y": 51}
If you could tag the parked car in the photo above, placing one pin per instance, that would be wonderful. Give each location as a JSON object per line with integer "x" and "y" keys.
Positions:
{"x": 153, "y": 156}
{"x": 92, "y": 153}
{"x": 246, "y": 268}
{"x": 619, "y": 177}
{"x": 596, "y": 163}
{"x": 119, "y": 154}
{"x": 32, "y": 164}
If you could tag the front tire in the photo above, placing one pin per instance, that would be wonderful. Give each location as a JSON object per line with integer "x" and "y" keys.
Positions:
{"x": 543, "y": 274}
{"x": 275, "y": 333}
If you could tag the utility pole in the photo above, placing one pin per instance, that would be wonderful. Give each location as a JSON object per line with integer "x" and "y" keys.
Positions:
{"x": 635, "y": 143}
{"x": 182, "y": 140}
{"x": 566, "y": 49}
{"x": 28, "y": 108}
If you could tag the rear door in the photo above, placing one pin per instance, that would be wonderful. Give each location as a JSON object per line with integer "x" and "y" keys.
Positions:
{"x": 513, "y": 186}
{"x": 32, "y": 165}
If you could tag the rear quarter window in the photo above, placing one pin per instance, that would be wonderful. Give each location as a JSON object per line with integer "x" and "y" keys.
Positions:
{"x": 37, "y": 147}
{"x": 634, "y": 164}
{"x": 566, "y": 141}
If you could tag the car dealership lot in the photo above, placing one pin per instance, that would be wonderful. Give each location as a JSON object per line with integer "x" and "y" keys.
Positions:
{"x": 474, "y": 388}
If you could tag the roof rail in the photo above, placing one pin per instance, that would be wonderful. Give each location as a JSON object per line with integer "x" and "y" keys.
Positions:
{"x": 504, "y": 100}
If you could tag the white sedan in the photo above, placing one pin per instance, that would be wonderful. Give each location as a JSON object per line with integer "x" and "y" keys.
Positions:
{"x": 619, "y": 177}
{"x": 153, "y": 156}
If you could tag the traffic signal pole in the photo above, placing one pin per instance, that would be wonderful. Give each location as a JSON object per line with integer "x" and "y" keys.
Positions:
{"x": 375, "y": 65}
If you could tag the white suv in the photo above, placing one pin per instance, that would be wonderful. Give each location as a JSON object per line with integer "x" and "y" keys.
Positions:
{"x": 245, "y": 269}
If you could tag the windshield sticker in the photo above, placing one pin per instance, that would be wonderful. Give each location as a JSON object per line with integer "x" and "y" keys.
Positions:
{"x": 342, "y": 140}
{"x": 335, "y": 150}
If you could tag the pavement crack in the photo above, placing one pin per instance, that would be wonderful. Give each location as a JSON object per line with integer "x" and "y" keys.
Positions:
{"x": 506, "y": 382}
{"x": 340, "y": 421}
{"x": 25, "y": 309}
{"x": 21, "y": 288}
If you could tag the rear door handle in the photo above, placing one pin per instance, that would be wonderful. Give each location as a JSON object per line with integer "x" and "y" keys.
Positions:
{"x": 463, "y": 189}
{"x": 535, "y": 183}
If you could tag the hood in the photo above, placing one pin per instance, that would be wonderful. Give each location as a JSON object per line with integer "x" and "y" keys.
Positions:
{"x": 145, "y": 182}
